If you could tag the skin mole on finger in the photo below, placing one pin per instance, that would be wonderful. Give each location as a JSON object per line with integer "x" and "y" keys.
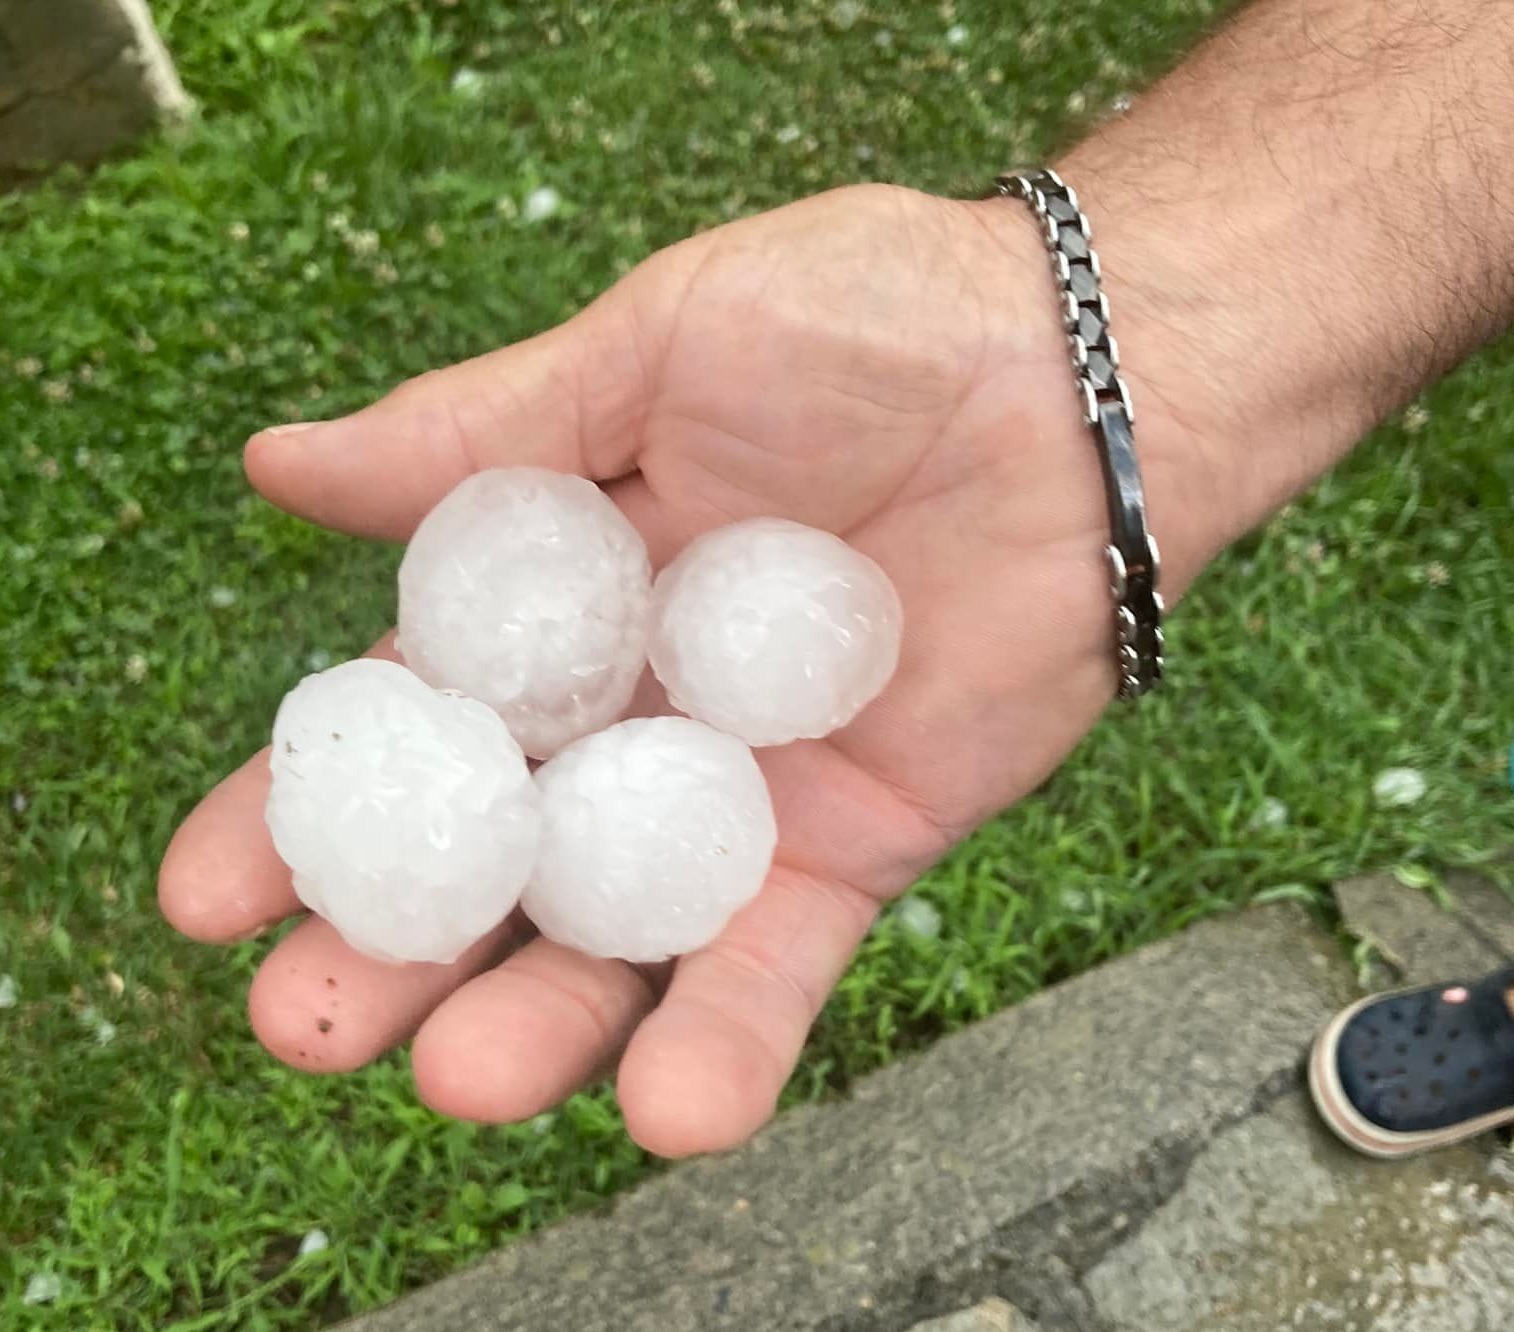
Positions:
{"x": 323, "y": 1026}
{"x": 331, "y": 982}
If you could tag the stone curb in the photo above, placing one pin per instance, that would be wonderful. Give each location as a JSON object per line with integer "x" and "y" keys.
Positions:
{"x": 1006, "y": 1160}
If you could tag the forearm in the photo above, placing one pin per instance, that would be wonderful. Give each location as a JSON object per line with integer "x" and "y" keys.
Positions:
{"x": 1303, "y": 226}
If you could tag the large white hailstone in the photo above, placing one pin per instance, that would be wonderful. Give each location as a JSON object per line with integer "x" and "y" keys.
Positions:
{"x": 528, "y": 590}
{"x": 654, "y": 833}
{"x": 407, "y": 814}
{"x": 773, "y": 631}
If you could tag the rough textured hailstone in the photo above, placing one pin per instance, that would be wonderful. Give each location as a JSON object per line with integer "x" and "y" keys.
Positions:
{"x": 1271, "y": 813}
{"x": 773, "y": 632}
{"x": 407, "y": 815}
{"x": 1399, "y": 786}
{"x": 919, "y": 917}
{"x": 528, "y": 590}
{"x": 42, "y": 1288}
{"x": 654, "y": 833}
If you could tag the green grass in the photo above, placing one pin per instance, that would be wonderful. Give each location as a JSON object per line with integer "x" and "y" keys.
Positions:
{"x": 152, "y": 612}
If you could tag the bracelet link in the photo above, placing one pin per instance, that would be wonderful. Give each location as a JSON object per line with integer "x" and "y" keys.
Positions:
{"x": 1132, "y": 555}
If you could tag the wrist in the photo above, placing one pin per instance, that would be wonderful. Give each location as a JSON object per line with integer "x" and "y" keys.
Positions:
{"x": 1199, "y": 496}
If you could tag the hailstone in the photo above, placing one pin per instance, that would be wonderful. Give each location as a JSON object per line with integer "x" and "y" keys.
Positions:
{"x": 654, "y": 833}
{"x": 408, "y": 815}
{"x": 772, "y": 631}
{"x": 528, "y": 590}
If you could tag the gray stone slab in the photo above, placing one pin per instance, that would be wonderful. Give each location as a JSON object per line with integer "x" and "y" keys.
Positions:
{"x": 1423, "y": 940}
{"x": 1002, "y": 1161}
{"x": 990, "y": 1316}
{"x": 78, "y": 78}
{"x": 1278, "y": 1226}
{"x": 1486, "y": 909}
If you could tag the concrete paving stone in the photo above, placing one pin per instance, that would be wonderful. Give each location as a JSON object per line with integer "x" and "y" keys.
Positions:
{"x": 1278, "y": 1226}
{"x": 1420, "y": 938}
{"x": 990, "y": 1316}
{"x": 78, "y": 78}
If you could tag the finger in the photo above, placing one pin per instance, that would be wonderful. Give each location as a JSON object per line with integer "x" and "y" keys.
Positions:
{"x": 528, "y": 1034}
{"x": 704, "y": 1071}
{"x": 571, "y": 399}
{"x": 321, "y": 1007}
{"x": 221, "y": 879}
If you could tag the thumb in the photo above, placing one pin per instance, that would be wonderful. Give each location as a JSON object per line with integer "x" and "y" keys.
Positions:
{"x": 571, "y": 399}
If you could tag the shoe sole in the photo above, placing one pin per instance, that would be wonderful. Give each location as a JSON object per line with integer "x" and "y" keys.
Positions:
{"x": 1354, "y": 1129}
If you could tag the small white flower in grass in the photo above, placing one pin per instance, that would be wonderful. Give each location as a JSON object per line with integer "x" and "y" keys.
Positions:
{"x": 883, "y": 38}
{"x": 468, "y": 83}
{"x": 319, "y": 181}
{"x": 136, "y": 668}
{"x": 1477, "y": 411}
{"x": 386, "y": 273}
{"x": 506, "y": 207}
{"x": 238, "y": 231}
{"x": 56, "y": 390}
{"x": 314, "y": 1242}
{"x": 788, "y": 134}
{"x": 43, "y": 1288}
{"x": 1122, "y": 103}
{"x": 114, "y": 983}
{"x": 20, "y": 802}
{"x": 1077, "y": 103}
{"x": 435, "y": 236}
{"x": 9, "y": 996}
{"x": 338, "y": 222}
{"x": 222, "y": 597}
{"x": 1395, "y": 787}
{"x": 28, "y": 367}
{"x": 362, "y": 242}
{"x": 1416, "y": 418}
{"x": 863, "y": 152}
{"x": 541, "y": 204}
{"x": 956, "y": 35}
{"x": 844, "y": 13}
{"x": 919, "y": 918}
{"x": 1271, "y": 813}
{"x": 318, "y": 660}
{"x": 311, "y": 271}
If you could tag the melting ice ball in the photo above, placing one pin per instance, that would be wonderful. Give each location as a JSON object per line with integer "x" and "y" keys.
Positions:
{"x": 654, "y": 833}
{"x": 528, "y": 590}
{"x": 407, "y": 815}
{"x": 772, "y": 631}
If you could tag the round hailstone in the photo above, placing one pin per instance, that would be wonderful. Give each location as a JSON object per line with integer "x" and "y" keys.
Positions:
{"x": 654, "y": 832}
{"x": 407, "y": 815}
{"x": 528, "y": 590}
{"x": 773, "y": 632}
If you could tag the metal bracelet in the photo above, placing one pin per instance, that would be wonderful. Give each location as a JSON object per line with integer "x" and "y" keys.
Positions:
{"x": 1134, "y": 565}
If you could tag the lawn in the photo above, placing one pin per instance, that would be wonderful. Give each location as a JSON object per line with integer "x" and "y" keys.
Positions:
{"x": 349, "y": 210}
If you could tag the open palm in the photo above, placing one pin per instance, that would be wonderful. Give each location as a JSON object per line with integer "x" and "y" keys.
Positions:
{"x": 873, "y": 361}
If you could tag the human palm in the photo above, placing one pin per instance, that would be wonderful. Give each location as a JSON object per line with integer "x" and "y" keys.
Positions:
{"x": 873, "y": 361}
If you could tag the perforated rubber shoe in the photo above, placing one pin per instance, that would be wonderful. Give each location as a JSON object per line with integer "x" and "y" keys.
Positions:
{"x": 1417, "y": 1069}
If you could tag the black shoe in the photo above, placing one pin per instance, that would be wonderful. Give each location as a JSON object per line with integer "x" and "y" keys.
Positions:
{"x": 1404, "y": 1072}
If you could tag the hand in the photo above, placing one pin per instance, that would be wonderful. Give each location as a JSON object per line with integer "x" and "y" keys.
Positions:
{"x": 880, "y": 363}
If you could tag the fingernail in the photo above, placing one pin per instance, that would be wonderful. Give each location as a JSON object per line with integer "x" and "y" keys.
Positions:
{"x": 291, "y": 428}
